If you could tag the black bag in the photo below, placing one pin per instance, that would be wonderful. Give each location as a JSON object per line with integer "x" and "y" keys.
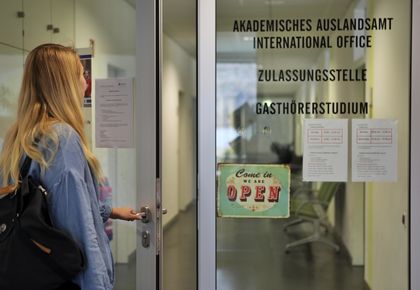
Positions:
{"x": 24, "y": 220}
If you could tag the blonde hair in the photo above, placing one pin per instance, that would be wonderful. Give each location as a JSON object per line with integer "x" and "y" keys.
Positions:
{"x": 51, "y": 92}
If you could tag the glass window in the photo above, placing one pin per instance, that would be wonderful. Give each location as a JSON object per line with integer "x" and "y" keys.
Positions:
{"x": 322, "y": 87}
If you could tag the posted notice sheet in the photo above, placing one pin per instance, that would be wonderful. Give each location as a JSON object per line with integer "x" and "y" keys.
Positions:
{"x": 325, "y": 150}
{"x": 114, "y": 113}
{"x": 374, "y": 150}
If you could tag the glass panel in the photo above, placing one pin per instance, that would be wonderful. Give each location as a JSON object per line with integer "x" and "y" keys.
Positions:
{"x": 11, "y": 69}
{"x": 283, "y": 67}
{"x": 178, "y": 118}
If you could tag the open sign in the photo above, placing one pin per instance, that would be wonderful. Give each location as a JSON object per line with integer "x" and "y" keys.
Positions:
{"x": 258, "y": 194}
{"x": 253, "y": 190}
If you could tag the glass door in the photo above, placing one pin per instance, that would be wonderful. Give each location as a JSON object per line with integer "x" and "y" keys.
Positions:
{"x": 322, "y": 88}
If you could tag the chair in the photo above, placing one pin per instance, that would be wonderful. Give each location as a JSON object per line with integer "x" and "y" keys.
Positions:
{"x": 313, "y": 208}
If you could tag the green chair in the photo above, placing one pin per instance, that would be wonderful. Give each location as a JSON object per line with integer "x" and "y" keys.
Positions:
{"x": 311, "y": 206}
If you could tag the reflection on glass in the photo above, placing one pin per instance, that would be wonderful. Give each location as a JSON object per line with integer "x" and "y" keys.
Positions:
{"x": 11, "y": 69}
{"x": 279, "y": 63}
{"x": 237, "y": 92}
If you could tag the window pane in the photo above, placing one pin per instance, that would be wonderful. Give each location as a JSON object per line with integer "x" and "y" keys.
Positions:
{"x": 284, "y": 67}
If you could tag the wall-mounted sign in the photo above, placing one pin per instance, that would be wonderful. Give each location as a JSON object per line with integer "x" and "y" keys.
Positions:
{"x": 325, "y": 150}
{"x": 86, "y": 55}
{"x": 114, "y": 113}
{"x": 253, "y": 190}
{"x": 374, "y": 150}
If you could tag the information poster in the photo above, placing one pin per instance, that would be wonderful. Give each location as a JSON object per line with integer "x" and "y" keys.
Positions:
{"x": 374, "y": 150}
{"x": 114, "y": 113}
{"x": 325, "y": 150}
{"x": 85, "y": 55}
{"x": 251, "y": 190}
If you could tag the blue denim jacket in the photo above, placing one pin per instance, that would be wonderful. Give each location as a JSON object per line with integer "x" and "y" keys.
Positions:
{"x": 75, "y": 208}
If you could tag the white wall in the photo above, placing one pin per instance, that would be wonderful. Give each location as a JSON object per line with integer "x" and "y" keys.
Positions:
{"x": 178, "y": 75}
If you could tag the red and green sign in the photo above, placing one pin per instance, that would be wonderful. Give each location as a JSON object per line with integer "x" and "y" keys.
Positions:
{"x": 253, "y": 190}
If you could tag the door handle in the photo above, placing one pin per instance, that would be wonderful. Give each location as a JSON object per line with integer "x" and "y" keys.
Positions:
{"x": 145, "y": 214}
{"x": 164, "y": 211}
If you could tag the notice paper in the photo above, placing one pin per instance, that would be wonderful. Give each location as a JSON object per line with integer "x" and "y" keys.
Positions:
{"x": 374, "y": 150}
{"x": 114, "y": 113}
{"x": 325, "y": 150}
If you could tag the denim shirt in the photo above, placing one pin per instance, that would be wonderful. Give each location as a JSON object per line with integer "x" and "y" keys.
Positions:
{"x": 75, "y": 208}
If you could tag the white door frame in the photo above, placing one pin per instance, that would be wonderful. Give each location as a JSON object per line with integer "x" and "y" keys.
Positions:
{"x": 147, "y": 130}
{"x": 206, "y": 17}
{"x": 414, "y": 150}
{"x": 206, "y": 87}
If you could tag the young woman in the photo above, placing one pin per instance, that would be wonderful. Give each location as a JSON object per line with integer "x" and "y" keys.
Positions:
{"x": 49, "y": 129}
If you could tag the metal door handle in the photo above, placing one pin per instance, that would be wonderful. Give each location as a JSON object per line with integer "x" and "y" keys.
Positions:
{"x": 145, "y": 214}
{"x": 164, "y": 211}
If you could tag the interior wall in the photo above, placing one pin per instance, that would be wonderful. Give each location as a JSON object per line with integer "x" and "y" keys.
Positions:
{"x": 187, "y": 152}
{"x": 387, "y": 250}
{"x": 178, "y": 76}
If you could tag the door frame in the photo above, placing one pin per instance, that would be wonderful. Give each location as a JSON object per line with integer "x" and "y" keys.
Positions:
{"x": 148, "y": 147}
{"x": 206, "y": 118}
{"x": 414, "y": 150}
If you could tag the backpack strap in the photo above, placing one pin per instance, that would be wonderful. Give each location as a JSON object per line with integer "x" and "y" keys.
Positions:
{"x": 24, "y": 170}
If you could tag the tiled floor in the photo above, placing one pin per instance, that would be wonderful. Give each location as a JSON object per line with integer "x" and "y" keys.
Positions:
{"x": 250, "y": 257}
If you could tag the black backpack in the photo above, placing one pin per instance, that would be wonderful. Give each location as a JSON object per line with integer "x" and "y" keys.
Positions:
{"x": 25, "y": 228}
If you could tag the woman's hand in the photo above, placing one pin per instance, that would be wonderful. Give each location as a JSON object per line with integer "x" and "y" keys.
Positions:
{"x": 125, "y": 213}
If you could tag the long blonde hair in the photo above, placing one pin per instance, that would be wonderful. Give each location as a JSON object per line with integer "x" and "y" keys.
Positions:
{"x": 51, "y": 92}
